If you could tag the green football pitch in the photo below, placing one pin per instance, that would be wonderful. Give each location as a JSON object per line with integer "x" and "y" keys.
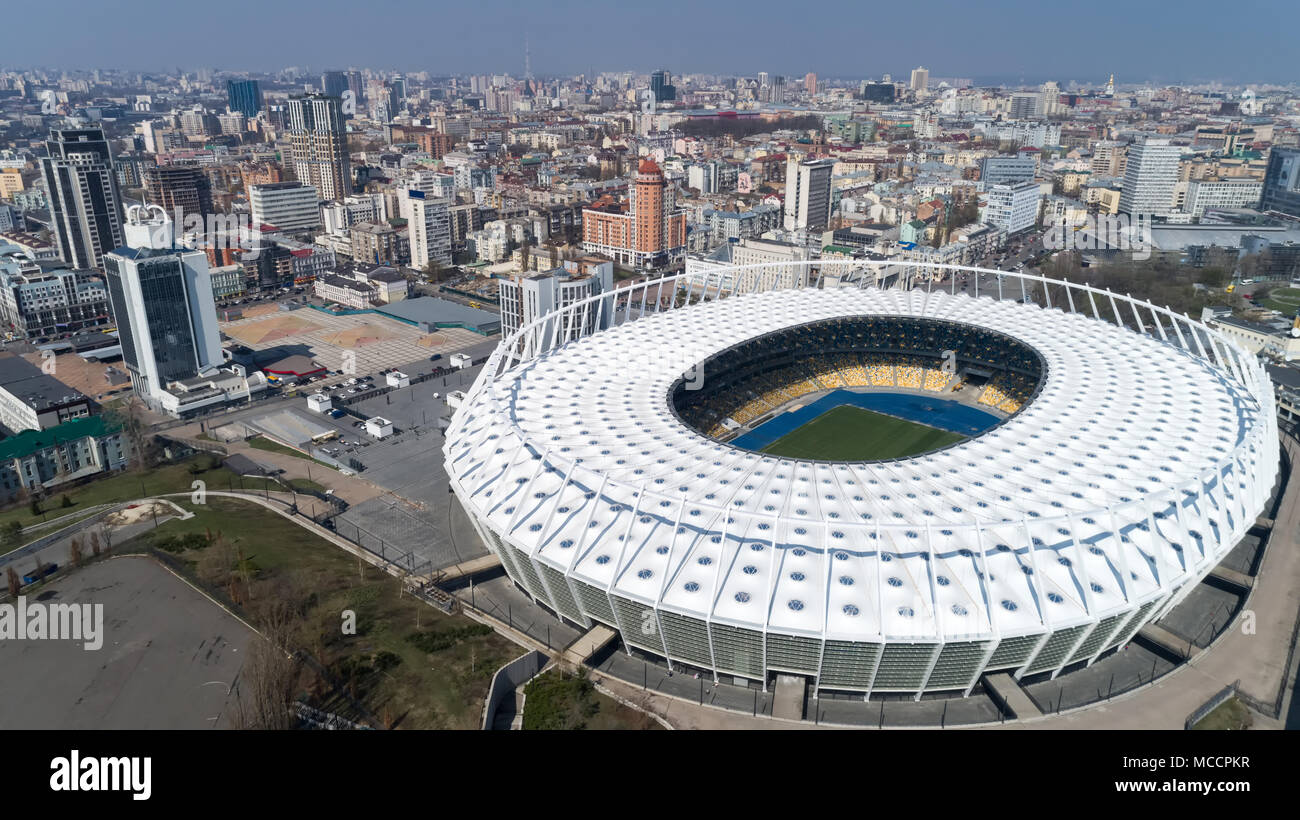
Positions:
{"x": 847, "y": 433}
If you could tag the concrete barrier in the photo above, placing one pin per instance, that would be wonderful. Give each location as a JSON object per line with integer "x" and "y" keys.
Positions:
{"x": 509, "y": 678}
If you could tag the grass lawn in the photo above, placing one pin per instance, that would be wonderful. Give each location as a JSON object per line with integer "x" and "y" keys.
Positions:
{"x": 556, "y": 701}
{"x": 848, "y": 433}
{"x": 126, "y": 486}
{"x": 1231, "y": 715}
{"x": 1286, "y": 300}
{"x": 408, "y": 665}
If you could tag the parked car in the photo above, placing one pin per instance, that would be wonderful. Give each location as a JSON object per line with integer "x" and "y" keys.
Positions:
{"x": 36, "y": 575}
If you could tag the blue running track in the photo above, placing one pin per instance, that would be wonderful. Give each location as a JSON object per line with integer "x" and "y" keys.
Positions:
{"x": 935, "y": 412}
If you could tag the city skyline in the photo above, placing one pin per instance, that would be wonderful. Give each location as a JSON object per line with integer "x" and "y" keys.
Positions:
{"x": 951, "y": 42}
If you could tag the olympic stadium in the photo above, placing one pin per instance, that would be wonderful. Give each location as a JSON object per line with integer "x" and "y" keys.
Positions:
{"x": 882, "y": 490}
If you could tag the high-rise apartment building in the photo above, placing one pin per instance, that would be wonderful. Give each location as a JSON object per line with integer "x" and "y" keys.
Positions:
{"x": 430, "y": 230}
{"x": 244, "y": 96}
{"x": 810, "y": 83}
{"x": 1025, "y": 105}
{"x": 319, "y": 146}
{"x": 1150, "y": 177}
{"x": 648, "y": 230}
{"x": 1108, "y": 158}
{"x": 1281, "y": 191}
{"x": 178, "y": 189}
{"x": 85, "y": 206}
{"x": 808, "y": 193}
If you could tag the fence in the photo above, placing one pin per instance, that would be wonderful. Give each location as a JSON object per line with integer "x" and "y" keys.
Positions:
{"x": 509, "y": 678}
{"x": 1210, "y": 705}
{"x": 317, "y": 719}
{"x": 46, "y": 540}
{"x": 403, "y": 560}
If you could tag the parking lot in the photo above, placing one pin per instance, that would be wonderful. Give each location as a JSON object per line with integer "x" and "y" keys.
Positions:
{"x": 416, "y": 518}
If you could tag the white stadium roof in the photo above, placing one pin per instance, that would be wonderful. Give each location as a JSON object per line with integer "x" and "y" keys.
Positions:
{"x": 1111, "y": 475}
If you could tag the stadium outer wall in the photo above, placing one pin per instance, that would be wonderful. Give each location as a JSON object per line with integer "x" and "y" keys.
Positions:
{"x": 1227, "y": 499}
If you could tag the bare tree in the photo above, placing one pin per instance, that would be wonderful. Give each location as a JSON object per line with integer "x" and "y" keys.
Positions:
{"x": 74, "y": 551}
{"x": 94, "y": 542}
{"x": 269, "y": 678}
{"x": 133, "y": 426}
{"x": 14, "y": 584}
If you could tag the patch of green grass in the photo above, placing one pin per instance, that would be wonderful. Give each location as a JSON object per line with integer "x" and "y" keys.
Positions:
{"x": 1286, "y": 300}
{"x": 848, "y": 433}
{"x": 557, "y": 701}
{"x": 408, "y": 664}
{"x": 125, "y": 486}
{"x": 1231, "y": 715}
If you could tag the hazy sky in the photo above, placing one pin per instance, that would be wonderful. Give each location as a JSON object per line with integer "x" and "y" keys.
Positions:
{"x": 988, "y": 40}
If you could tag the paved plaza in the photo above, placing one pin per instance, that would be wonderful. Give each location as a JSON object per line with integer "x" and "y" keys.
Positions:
{"x": 375, "y": 342}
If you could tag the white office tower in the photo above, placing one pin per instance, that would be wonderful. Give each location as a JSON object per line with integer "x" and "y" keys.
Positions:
{"x": 1150, "y": 178}
{"x": 1025, "y": 105}
{"x": 529, "y": 297}
{"x": 1049, "y": 99}
{"x": 285, "y": 206}
{"x": 430, "y": 230}
{"x": 920, "y": 79}
{"x": 808, "y": 193}
{"x": 161, "y": 297}
{"x": 1013, "y": 206}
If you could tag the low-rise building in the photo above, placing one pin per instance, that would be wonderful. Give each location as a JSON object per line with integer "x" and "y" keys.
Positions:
{"x": 45, "y": 299}
{"x": 31, "y": 399}
{"x": 346, "y": 291}
{"x": 39, "y": 461}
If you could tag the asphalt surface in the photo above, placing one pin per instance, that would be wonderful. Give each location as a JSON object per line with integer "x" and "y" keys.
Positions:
{"x": 168, "y": 659}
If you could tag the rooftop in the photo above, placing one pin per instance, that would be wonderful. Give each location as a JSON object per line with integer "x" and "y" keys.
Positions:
{"x": 33, "y": 441}
{"x": 26, "y": 382}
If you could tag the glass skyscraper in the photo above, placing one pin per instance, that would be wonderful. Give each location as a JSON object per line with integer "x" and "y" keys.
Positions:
{"x": 244, "y": 96}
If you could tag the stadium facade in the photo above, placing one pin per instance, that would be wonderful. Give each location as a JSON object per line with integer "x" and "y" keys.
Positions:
{"x": 1143, "y": 447}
